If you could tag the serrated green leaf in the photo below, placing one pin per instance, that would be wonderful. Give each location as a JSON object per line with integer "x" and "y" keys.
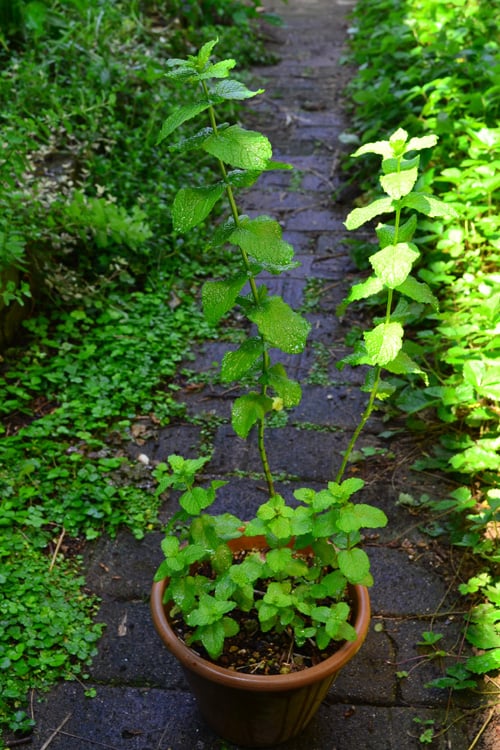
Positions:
{"x": 384, "y": 342}
{"x": 247, "y": 410}
{"x": 402, "y": 364}
{"x": 195, "y": 500}
{"x": 280, "y": 326}
{"x": 418, "y": 291}
{"x": 192, "y": 205}
{"x": 170, "y": 546}
{"x": 281, "y": 528}
{"x": 236, "y": 363}
{"x": 230, "y": 89}
{"x": 212, "y": 638}
{"x": 218, "y": 70}
{"x": 382, "y": 148}
{"x": 399, "y": 164}
{"x": 347, "y": 488}
{"x": 279, "y": 559}
{"x": 360, "y": 216}
{"x": 364, "y": 289}
{"x": 420, "y": 143}
{"x": 354, "y": 564}
{"x": 183, "y": 592}
{"x": 398, "y": 184}
{"x": 360, "y": 515}
{"x": 246, "y": 149}
{"x": 484, "y": 376}
{"x": 386, "y": 233}
{"x": 261, "y": 238}
{"x": 192, "y": 142}
{"x": 243, "y": 178}
{"x": 398, "y": 141}
{"x": 428, "y": 205}
{"x": 393, "y": 263}
{"x": 204, "y": 53}
{"x": 218, "y": 297}
{"x": 180, "y": 116}
{"x": 288, "y": 390}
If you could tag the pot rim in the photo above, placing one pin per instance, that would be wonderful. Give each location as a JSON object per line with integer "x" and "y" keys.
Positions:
{"x": 195, "y": 663}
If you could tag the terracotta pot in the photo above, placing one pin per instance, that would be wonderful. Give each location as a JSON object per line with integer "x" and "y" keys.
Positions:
{"x": 258, "y": 710}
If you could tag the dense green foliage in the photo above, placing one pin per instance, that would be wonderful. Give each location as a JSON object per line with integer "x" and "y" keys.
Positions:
{"x": 82, "y": 89}
{"x": 85, "y": 226}
{"x": 434, "y": 67}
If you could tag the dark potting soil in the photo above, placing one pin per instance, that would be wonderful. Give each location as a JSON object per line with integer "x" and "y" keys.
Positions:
{"x": 252, "y": 651}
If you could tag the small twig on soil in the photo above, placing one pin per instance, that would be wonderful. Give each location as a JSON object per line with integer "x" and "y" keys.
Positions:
{"x": 56, "y": 551}
{"x": 160, "y": 743}
{"x": 55, "y": 732}
{"x": 483, "y": 727}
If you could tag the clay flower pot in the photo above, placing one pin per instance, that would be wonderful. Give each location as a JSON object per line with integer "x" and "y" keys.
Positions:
{"x": 258, "y": 710}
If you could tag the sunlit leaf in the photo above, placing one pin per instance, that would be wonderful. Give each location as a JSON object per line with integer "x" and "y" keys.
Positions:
{"x": 246, "y": 149}
{"x": 393, "y": 264}
{"x": 360, "y": 216}
{"x": 384, "y": 342}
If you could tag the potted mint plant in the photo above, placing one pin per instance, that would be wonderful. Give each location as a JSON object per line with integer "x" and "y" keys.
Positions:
{"x": 263, "y": 612}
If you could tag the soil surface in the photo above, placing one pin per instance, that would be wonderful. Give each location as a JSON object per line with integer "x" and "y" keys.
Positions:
{"x": 379, "y": 701}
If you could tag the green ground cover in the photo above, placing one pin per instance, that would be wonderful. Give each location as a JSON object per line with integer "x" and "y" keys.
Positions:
{"x": 434, "y": 67}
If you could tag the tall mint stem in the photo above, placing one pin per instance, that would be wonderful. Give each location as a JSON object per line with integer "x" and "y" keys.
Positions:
{"x": 255, "y": 294}
{"x": 376, "y": 374}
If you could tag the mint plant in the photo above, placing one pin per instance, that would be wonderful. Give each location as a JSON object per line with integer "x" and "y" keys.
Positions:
{"x": 303, "y": 594}
{"x": 242, "y": 156}
{"x": 294, "y": 590}
{"x": 383, "y": 346}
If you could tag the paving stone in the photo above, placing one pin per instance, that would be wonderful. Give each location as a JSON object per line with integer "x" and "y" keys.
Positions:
{"x": 130, "y": 652}
{"x": 151, "y": 719}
